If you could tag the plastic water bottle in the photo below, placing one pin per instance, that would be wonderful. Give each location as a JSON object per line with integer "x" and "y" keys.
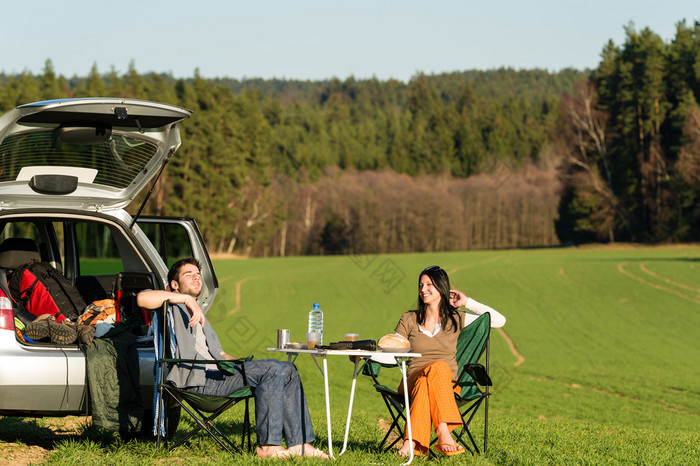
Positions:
{"x": 316, "y": 321}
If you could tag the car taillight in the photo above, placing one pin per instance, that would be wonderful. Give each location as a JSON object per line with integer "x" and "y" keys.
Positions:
{"x": 7, "y": 320}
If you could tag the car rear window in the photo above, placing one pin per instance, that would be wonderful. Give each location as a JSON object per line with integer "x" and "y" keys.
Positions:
{"x": 117, "y": 160}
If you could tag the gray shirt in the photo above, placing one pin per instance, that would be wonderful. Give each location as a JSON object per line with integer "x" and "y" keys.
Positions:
{"x": 185, "y": 375}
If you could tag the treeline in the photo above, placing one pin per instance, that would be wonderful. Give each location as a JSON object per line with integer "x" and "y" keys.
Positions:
{"x": 633, "y": 141}
{"x": 366, "y": 212}
{"x": 478, "y": 159}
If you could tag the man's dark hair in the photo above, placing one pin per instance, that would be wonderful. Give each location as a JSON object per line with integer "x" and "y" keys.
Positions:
{"x": 174, "y": 271}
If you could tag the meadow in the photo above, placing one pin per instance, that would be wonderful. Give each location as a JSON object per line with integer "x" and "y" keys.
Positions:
{"x": 597, "y": 364}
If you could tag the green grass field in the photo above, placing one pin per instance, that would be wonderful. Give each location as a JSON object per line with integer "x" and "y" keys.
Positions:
{"x": 603, "y": 365}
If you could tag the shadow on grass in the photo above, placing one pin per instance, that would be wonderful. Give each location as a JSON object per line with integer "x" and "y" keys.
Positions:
{"x": 231, "y": 430}
{"x": 366, "y": 446}
{"x": 17, "y": 429}
{"x": 47, "y": 433}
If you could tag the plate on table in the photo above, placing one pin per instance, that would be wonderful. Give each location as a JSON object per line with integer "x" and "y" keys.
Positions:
{"x": 389, "y": 349}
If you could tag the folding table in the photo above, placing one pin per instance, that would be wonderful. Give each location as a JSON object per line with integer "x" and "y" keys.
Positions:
{"x": 399, "y": 358}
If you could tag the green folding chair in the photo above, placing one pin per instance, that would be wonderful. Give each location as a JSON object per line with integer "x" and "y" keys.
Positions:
{"x": 203, "y": 409}
{"x": 472, "y": 342}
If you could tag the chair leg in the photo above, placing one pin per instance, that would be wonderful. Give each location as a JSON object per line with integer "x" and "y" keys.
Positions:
{"x": 486, "y": 419}
{"x": 396, "y": 416}
{"x": 160, "y": 406}
{"x": 246, "y": 427}
{"x": 204, "y": 422}
{"x": 394, "y": 425}
{"x": 465, "y": 426}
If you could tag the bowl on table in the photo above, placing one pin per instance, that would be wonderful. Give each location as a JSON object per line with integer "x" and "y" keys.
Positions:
{"x": 392, "y": 349}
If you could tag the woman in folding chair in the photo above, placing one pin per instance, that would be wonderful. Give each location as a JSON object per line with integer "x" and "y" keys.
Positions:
{"x": 432, "y": 330}
{"x": 280, "y": 404}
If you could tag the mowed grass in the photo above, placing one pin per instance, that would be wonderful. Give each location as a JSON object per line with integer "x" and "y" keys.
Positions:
{"x": 598, "y": 362}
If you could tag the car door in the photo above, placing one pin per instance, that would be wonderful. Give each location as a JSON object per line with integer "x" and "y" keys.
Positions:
{"x": 176, "y": 238}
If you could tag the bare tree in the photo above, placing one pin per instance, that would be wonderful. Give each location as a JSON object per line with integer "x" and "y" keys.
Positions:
{"x": 688, "y": 163}
{"x": 588, "y": 124}
{"x": 587, "y": 153}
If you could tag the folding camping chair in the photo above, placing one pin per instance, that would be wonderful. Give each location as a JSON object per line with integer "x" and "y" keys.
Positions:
{"x": 203, "y": 409}
{"x": 472, "y": 342}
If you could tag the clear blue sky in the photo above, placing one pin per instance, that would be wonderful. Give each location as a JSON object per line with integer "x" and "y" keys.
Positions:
{"x": 321, "y": 39}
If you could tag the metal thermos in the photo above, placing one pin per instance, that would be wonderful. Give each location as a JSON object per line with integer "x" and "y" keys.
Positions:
{"x": 282, "y": 337}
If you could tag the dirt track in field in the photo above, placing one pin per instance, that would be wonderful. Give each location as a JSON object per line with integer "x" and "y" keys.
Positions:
{"x": 696, "y": 298}
{"x": 519, "y": 357}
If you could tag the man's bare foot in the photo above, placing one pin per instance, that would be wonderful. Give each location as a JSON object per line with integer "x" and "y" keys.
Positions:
{"x": 307, "y": 450}
{"x": 272, "y": 451}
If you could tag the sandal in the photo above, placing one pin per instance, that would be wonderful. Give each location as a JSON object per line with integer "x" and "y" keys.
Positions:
{"x": 439, "y": 448}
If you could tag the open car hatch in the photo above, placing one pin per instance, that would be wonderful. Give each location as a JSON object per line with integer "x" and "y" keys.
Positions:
{"x": 92, "y": 153}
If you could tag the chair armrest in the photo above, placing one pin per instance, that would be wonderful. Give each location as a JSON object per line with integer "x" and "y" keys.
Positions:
{"x": 370, "y": 368}
{"x": 477, "y": 372}
{"x": 228, "y": 366}
{"x": 191, "y": 361}
{"x": 218, "y": 362}
{"x": 241, "y": 360}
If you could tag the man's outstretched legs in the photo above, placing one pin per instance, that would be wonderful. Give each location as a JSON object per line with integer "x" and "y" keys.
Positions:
{"x": 280, "y": 405}
{"x": 297, "y": 423}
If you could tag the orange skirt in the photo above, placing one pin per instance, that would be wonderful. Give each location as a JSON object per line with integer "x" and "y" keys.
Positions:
{"x": 432, "y": 402}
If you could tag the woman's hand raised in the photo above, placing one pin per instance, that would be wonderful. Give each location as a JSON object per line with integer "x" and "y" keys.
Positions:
{"x": 458, "y": 299}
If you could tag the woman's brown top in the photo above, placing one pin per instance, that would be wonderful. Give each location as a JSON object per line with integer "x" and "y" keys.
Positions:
{"x": 440, "y": 347}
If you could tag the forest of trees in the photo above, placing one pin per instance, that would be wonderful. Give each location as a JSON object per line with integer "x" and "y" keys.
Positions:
{"x": 479, "y": 159}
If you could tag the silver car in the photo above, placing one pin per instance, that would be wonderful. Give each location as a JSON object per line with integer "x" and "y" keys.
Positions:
{"x": 68, "y": 169}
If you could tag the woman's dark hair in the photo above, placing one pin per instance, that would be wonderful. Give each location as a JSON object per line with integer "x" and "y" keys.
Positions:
{"x": 442, "y": 283}
{"x": 174, "y": 272}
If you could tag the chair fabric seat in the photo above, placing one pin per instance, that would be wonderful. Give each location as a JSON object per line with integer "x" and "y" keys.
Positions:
{"x": 210, "y": 403}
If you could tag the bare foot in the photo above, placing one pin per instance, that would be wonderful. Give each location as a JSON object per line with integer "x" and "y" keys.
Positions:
{"x": 272, "y": 451}
{"x": 405, "y": 450}
{"x": 307, "y": 450}
{"x": 445, "y": 439}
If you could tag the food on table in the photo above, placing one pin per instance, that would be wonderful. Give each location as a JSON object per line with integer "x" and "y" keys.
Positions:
{"x": 393, "y": 340}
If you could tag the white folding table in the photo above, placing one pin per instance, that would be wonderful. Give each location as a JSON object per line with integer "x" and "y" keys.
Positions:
{"x": 384, "y": 357}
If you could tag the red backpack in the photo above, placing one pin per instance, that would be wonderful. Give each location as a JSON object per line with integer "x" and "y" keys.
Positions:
{"x": 37, "y": 288}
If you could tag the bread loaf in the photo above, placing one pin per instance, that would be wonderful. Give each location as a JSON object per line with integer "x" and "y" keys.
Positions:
{"x": 393, "y": 340}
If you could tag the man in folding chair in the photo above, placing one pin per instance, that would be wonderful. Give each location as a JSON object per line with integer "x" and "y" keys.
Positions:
{"x": 280, "y": 404}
